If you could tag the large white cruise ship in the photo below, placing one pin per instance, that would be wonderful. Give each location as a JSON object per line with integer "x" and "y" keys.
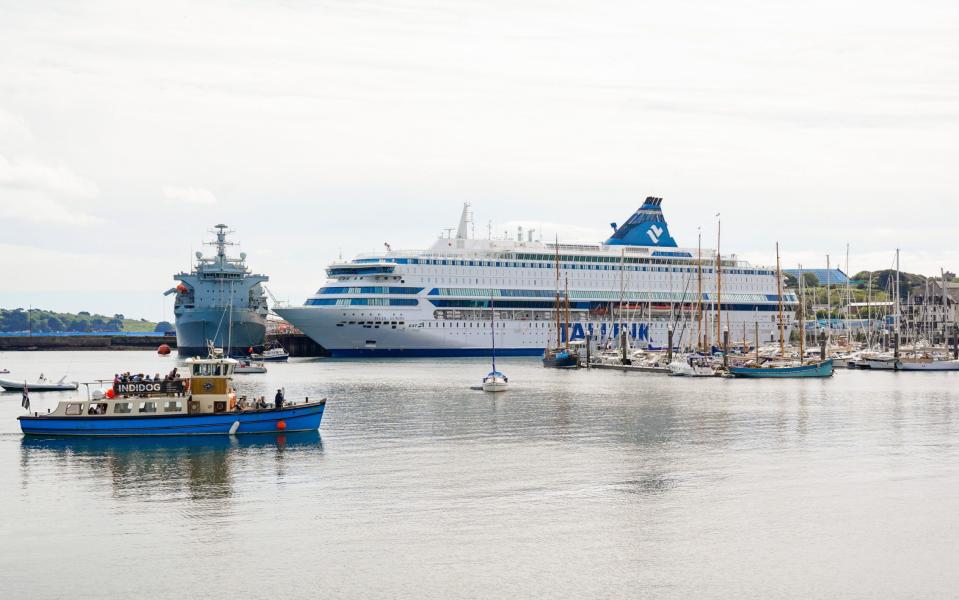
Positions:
{"x": 437, "y": 302}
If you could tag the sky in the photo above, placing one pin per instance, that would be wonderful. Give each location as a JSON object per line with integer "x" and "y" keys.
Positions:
{"x": 326, "y": 128}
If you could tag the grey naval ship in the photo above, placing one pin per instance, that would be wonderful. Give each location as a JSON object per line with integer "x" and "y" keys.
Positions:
{"x": 219, "y": 300}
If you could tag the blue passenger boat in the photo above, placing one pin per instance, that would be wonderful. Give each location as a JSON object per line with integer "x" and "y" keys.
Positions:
{"x": 772, "y": 371}
{"x": 204, "y": 404}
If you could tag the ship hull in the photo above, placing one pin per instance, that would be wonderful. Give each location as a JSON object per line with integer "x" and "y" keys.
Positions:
{"x": 196, "y": 327}
{"x": 417, "y": 334}
{"x": 822, "y": 369}
{"x": 284, "y": 420}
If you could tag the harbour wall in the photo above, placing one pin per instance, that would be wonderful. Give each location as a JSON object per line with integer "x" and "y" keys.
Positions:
{"x": 84, "y": 342}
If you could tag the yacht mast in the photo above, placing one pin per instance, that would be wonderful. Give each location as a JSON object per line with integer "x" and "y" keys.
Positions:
{"x": 802, "y": 318}
{"x": 897, "y": 316}
{"x": 699, "y": 296}
{"x": 559, "y": 341}
{"x": 779, "y": 289}
{"x": 869, "y": 314}
{"x": 828, "y": 301}
{"x": 492, "y": 323}
{"x": 719, "y": 282}
{"x": 567, "y": 313}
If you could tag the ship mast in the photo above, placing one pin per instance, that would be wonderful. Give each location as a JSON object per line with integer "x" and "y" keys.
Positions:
{"x": 559, "y": 340}
{"x": 802, "y": 319}
{"x": 699, "y": 296}
{"x": 567, "y": 313}
{"x": 719, "y": 283}
{"x": 779, "y": 289}
{"x": 898, "y": 309}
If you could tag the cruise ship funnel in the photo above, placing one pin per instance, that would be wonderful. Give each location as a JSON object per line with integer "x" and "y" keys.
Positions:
{"x": 647, "y": 227}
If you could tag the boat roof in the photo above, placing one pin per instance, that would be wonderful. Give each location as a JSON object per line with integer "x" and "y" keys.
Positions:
{"x": 209, "y": 361}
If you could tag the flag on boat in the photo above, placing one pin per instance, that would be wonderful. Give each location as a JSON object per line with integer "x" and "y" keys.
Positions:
{"x": 25, "y": 403}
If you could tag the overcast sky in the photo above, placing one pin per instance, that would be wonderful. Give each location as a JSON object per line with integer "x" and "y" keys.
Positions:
{"x": 127, "y": 129}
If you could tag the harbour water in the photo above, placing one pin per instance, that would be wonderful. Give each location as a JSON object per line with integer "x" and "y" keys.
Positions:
{"x": 572, "y": 484}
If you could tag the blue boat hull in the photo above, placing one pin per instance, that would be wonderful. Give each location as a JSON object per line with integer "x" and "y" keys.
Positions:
{"x": 822, "y": 369}
{"x": 563, "y": 360}
{"x": 305, "y": 417}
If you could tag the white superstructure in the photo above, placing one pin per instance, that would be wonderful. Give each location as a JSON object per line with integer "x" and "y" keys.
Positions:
{"x": 437, "y": 302}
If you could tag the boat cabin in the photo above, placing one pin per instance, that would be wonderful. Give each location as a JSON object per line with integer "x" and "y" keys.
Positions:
{"x": 208, "y": 390}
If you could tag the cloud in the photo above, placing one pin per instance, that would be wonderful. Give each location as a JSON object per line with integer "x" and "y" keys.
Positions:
{"x": 29, "y": 175}
{"x": 32, "y": 191}
{"x": 188, "y": 195}
{"x": 13, "y": 129}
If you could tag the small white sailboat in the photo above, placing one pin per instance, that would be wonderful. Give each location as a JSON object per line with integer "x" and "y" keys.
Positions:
{"x": 695, "y": 365}
{"x": 494, "y": 380}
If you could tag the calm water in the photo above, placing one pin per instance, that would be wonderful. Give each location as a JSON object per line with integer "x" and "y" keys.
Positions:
{"x": 584, "y": 484}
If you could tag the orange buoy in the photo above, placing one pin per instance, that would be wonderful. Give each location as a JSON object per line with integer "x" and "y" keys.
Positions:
{"x": 110, "y": 393}
{"x": 281, "y": 425}
{"x": 182, "y": 289}
{"x": 163, "y": 350}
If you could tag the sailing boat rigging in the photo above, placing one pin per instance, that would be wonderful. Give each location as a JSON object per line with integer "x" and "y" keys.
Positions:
{"x": 561, "y": 356}
{"x": 781, "y": 369}
{"x": 494, "y": 380}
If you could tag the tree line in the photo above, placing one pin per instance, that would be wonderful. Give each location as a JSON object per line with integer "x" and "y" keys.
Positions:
{"x": 38, "y": 320}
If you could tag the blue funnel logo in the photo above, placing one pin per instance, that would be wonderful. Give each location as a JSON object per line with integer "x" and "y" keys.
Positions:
{"x": 647, "y": 227}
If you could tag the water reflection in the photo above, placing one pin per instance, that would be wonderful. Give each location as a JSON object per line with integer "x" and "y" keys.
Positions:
{"x": 199, "y": 468}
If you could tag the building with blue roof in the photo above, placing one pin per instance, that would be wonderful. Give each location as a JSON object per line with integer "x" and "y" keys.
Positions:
{"x": 830, "y": 276}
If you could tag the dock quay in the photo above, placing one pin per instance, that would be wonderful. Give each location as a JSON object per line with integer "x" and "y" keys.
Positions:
{"x": 85, "y": 342}
{"x": 297, "y": 344}
{"x": 631, "y": 368}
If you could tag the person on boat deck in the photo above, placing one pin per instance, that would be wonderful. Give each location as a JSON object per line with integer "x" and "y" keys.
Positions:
{"x": 278, "y": 400}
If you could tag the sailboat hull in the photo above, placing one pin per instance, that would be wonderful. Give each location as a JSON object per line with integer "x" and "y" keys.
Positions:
{"x": 930, "y": 365}
{"x": 563, "y": 360}
{"x": 820, "y": 369}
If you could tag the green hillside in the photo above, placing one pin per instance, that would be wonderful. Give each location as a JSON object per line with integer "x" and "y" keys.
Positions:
{"x": 39, "y": 320}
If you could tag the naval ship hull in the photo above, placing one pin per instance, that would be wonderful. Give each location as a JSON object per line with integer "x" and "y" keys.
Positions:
{"x": 194, "y": 328}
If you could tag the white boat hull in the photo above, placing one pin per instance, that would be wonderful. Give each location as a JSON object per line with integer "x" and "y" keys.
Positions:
{"x": 932, "y": 365}
{"x": 17, "y": 386}
{"x": 495, "y": 386}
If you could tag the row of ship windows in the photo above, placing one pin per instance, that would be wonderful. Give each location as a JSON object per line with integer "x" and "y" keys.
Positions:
{"x": 615, "y": 266}
{"x": 362, "y": 302}
{"x": 516, "y": 293}
{"x": 549, "y": 262}
{"x": 503, "y": 304}
{"x": 370, "y": 290}
{"x": 100, "y": 408}
{"x": 373, "y": 324}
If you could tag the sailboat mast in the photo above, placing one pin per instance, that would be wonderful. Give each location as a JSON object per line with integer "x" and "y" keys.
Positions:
{"x": 779, "y": 290}
{"x": 492, "y": 323}
{"x": 559, "y": 336}
{"x": 719, "y": 283}
{"x": 869, "y": 314}
{"x": 945, "y": 308}
{"x": 699, "y": 296}
{"x": 845, "y": 324}
{"x": 897, "y": 317}
{"x": 802, "y": 319}
{"x": 567, "y": 313}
